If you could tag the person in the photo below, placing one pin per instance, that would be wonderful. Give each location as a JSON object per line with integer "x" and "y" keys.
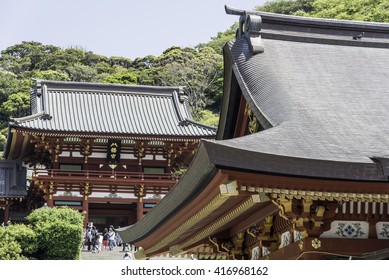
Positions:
{"x": 111, "y": 238}
{"x": 94, "y": 234}
{"x": 127, "y": 256}
{"x": 118, "y": 239}
{"x": 99, "y": 242}
{"x": 105, "y": 239}
{"x": 88, "y": 237}
{"x": 125, "y": 246}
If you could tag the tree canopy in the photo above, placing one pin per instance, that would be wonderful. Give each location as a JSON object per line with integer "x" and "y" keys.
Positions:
{"x": 363, "y": 10}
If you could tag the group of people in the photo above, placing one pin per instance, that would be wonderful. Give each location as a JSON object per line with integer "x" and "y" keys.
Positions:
{"x": 96, "y": 241}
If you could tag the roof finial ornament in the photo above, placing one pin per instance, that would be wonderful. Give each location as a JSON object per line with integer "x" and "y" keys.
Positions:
{"x": 249, "y": 27}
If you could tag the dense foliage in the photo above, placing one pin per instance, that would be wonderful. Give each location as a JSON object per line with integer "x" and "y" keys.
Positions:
{"x": 10, "y": 249}
{"x": 24, "y": 236}
{"x": 59, "y": 233}
{"x": 52, "y": 234}
{"x": 364, "y": 10}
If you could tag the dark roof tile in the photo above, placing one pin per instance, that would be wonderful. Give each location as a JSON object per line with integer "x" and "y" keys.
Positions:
{"x": 118, "y": 109}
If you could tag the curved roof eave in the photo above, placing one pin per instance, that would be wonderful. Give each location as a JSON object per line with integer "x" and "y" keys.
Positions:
{"x": 228, "y": 154}
{"x": 199, "y": 174}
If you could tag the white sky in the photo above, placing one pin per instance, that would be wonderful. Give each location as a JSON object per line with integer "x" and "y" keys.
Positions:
{"x": 128, "y": 28}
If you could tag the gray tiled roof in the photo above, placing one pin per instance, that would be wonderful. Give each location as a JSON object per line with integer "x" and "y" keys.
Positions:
{"x": 323, "y": 101}
{"x": 108, "y": 108}
{"x": 320, "y": 93}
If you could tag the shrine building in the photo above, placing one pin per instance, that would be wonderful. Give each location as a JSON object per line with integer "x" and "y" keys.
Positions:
{"x": 112, "y": 151}
{"x": 13, "y": 190}
{"x": 300, "y": 165}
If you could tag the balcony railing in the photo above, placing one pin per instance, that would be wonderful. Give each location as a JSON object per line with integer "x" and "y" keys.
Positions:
{"x": 103, "y": 177}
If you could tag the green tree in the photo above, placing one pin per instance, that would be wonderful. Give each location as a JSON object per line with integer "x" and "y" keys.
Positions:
{"x": 197, "y": 70}
{"x": 17, "y": 105}
{"x": 9, "y": 84}
{"x": 208, "y": 117}
{"x": 217, "y": 42}
{"x": 287, "y": 7}
{"x": 52, "y": 75}
{"x": 120, "y": 61}
{"x": 364, "y": 10}
{"x": 81, "y": 73}
{"x": 25, "y": 56}
{"x": 122, "y": 78}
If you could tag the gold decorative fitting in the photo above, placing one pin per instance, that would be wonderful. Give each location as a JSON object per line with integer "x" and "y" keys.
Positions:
{"x": 301, "y": 245}
{"x": 175, "y": 250}
{"x": 256, "y": 198}
{"x": 319, "y": 195}
{"x": 229, "y": 188}
{"x": 316, "y": 243}
{"x": 140, "y": 254}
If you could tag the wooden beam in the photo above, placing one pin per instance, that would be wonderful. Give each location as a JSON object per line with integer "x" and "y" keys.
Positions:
{"x": 252, "y": 219}
{"x": 327, "y": 247}
{"x": 306, "y": 185}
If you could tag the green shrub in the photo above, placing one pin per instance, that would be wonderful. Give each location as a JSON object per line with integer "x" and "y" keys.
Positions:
{"x": 59, "y": 233}
{"x": 9, "y": 248}
{"x": 60, "y": 241}
{"x": 25, "y": 237}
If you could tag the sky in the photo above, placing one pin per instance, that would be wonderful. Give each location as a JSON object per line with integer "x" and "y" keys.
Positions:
{"x": 127, "y": 28}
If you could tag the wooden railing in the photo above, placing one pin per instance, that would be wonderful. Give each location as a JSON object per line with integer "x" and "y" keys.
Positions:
{"x": 104, "y": 177}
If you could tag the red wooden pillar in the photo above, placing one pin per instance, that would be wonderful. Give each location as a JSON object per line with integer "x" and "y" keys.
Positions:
{"x": 6, "y": 211}
{"x": 50, "y": 192}
{"x": 85, "y": 203}
{"x": 50, "y": 201}
{"x": 85, "y": 209}
{"x": 139, "y": 209}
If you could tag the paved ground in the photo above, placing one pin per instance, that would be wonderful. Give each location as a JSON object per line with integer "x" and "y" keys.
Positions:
{"x": 115, "y": 254}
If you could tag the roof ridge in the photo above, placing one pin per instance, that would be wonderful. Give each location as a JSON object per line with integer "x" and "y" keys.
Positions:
{"x": 329, "y": 22}
{"x": 187, "y": 121}
{"x": 91, "y": 87}
{"x": 28, "y": 118}
{"x": 252, "y": 25}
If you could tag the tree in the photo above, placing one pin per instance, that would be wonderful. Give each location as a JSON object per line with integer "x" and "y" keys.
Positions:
{"x": 25, "y": 56}
{"x": 287, "y": 7}
{"x": 196, "y": 70}
{"x": 17, "y": 105}
{"x": 364, "y": 10}
{"x": 217, "y": 43}
{"x": 122, "y": 78}
{"x": 52, "y": 75}
{"x": 81, "y": 73}
{"x": 208, "y": 117}
{"x": 9, "y": 84}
